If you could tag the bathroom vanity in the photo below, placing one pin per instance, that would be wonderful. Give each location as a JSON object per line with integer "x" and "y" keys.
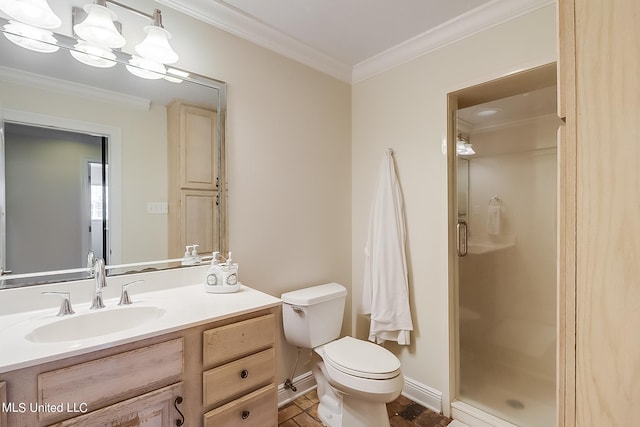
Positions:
{"x": 204, "y": 359}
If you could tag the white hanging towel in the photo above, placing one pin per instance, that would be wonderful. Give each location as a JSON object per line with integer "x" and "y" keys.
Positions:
{"x": 493, "y": 216}
{"x": 386, "y": 290}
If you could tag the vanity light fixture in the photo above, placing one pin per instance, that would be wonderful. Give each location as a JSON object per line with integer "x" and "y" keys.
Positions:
{"x": 36, "y": 13}
{"x": 98, "y": 30}
{"x": 30, "y": 23}
{"x": 155, "y": 47}
{"x": 145, "y": 68}
{"x": 464, "y": 147}
{"x": 30, "y": 37}
{"x": 92, "y": 55}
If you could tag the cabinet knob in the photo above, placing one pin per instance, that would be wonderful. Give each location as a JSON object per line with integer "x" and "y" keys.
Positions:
{"x": 244, "y": 373}
{"x": 245, "y": 414}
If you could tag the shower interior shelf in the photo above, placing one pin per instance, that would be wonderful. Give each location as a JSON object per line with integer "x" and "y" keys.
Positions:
{"x": 487, "y": 244}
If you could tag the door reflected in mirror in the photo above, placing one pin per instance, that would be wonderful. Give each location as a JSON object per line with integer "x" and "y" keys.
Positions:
{"x": 55, "y": 182}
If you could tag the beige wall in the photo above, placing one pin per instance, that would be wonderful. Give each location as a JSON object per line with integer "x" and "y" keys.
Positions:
{"x": 288, "y": 160}
{"x": 406, "y": 109}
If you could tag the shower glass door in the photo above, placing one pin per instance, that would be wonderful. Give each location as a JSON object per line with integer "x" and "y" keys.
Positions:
{"x": 507, "y": 258}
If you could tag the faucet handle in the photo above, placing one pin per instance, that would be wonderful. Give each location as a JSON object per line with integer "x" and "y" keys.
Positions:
{"x": 65, "y": 306}
{"x": 124, "y": 297}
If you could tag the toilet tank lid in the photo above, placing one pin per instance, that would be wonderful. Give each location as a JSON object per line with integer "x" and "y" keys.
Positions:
{"x": 314, "y": 294}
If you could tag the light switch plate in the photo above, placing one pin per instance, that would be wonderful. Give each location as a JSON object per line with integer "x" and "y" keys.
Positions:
{"x": 155, "y": 208}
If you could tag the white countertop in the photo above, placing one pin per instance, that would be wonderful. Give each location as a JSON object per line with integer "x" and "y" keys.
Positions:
{"x": 184, "y": 306}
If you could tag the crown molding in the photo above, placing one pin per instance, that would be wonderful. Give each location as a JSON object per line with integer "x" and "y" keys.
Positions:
{"x": 490, "y": 14}
{"x": 237, "y": 23}
{"x": 65, "y": 87}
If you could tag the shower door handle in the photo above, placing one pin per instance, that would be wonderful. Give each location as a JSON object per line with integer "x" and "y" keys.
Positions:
{"x": 461, "y": 238}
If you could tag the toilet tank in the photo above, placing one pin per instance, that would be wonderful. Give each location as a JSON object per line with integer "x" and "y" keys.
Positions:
{"x": 313, "y": 316}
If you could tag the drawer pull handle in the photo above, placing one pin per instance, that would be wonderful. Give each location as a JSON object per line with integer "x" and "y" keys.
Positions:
{"x": 244, "y": 374}
{"x": 245, "y": 414}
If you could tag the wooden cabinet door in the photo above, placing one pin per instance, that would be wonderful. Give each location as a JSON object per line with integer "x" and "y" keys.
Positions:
{"x": 198, "y": 147}
{"x": 199, "y": 220}
{"x": 154, "y": 409}
{"x": 607, "y": 298}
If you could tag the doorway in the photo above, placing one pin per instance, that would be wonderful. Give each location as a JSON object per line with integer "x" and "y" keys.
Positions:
{"x": 503, "y": 175}
{"x": 50, "y": 185}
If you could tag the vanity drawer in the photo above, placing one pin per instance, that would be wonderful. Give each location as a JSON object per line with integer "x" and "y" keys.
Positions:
{"x": 108, "y": 380}
{"x": 238, "y": 339}
{"x": 238, "y": 377}
{"x": 257, "y": 409}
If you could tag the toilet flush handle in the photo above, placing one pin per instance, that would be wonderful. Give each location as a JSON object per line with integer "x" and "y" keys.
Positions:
{"x": 297, "y": 310}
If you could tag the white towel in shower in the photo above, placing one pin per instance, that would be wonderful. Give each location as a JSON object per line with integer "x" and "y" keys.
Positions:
{"x": 386, "y": 292}
{"x": 493, "y": 217}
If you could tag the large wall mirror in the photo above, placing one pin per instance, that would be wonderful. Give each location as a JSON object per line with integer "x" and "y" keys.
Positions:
{"x": 84, "y": 157}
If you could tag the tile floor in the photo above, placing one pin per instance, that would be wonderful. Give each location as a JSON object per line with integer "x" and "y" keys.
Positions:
{"x": 302, "y": 412}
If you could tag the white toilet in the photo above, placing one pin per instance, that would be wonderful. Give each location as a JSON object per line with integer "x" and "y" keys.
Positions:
{"x": 355, "y": 378}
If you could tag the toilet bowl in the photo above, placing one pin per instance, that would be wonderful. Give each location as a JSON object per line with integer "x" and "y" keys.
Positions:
{"x": 355, "y": 378}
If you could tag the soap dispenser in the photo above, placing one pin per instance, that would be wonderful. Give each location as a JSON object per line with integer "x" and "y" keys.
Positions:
{"x": 187, "y": 259}
{"x": 214, "y": 278}
{"x": 230, "y": 273}
{"x": 226, "y": 276}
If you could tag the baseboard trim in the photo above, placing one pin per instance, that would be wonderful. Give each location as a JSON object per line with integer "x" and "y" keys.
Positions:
{"x": 414, "y": 390}
{"x": 423, "y": 394}
{"x": 304, "y": 383}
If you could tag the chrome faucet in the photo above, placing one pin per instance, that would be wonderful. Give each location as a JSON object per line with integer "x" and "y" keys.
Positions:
{"x": 101, "y": 282}
{"x": 65, "y": 306}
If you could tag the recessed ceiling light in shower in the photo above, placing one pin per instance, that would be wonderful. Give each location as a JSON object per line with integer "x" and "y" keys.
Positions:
{"x": 486, "y": 112}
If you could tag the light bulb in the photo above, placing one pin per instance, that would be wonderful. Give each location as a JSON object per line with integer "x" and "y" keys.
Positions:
{"x": 155, "y": 46}
{"x": 32, "y": 12}
{"x": 95, "y": 56}
{"x": 145, "y": 68}
{"x": 98, "y": 28}
{"x": 29, "y": 37}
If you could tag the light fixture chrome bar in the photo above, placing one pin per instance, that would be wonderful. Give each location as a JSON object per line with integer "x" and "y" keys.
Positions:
{"x": 156, "y": 17}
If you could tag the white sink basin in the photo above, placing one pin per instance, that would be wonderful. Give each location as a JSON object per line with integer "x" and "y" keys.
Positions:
{"x": 94, "y": 324}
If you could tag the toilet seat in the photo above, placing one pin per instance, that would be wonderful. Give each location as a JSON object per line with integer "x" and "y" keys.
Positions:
{"x": 362, "y": 359}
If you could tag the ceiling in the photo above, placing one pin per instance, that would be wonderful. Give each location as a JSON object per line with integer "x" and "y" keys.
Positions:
{"x": 354, "y": 39}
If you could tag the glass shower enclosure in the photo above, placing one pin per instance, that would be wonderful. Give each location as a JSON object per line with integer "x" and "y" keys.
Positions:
{"x": 506, "y": 258}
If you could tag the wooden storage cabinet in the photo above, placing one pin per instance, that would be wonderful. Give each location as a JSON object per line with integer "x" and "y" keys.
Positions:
{"x": 194, "y": 177}
{"x": 238, "y": 385}
{"x": 599, "y": 272}
{"x": 218, "y": 369}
